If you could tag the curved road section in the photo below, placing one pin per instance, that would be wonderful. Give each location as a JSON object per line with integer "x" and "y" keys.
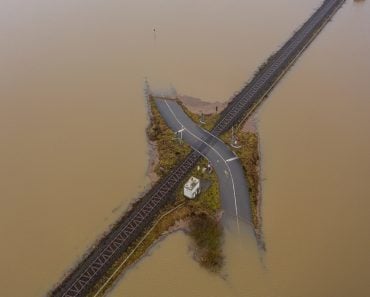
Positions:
{"x": 86, "y": 274}
{"x": 232, "y": 182}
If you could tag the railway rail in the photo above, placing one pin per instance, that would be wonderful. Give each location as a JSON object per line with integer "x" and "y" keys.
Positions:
{"x": 86, "y": 274}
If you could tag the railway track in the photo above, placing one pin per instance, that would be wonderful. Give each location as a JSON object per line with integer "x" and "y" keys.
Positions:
{"x": 86, "y": 274}
{"x": 278, "y": 63}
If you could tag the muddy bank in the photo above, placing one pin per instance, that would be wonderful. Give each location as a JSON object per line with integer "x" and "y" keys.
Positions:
{"x": 198, "y": 106}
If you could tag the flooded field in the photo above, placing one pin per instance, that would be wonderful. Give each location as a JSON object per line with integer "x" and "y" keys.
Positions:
{"x": 316, "y": 162}
{"x": 73, "y": 152}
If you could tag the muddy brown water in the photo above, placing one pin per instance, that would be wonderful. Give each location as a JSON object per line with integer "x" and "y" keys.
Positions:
{"x": 73, "y": 152}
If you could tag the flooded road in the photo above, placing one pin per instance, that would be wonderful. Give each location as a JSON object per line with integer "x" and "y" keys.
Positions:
{"x": 73, "y": 152}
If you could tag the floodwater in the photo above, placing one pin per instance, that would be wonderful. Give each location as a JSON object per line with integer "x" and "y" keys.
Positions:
{"x": 73, "y": 152}
{"x": 316, "y": 165}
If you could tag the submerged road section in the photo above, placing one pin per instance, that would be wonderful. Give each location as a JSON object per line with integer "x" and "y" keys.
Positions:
{"x": 233, "y": 185}
{"x": 128, "y": 229}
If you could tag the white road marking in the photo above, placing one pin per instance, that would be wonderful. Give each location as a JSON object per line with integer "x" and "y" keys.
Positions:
{"x": 227, "y": 165}
{"x": 232, "y": 159}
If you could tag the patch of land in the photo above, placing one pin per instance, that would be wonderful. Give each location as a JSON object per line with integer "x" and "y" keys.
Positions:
{"x": 249, "y": 157}
{"x": 163, "y": 143}
{"x": 198, "y": 106}
{"x": 207, "y": 206}
{"x": 199, "y": 218}
{"x": 249, "y": 154}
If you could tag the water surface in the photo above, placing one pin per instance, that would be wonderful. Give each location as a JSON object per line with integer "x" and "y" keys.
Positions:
{"x": 316, "y": 162}
{"x": 73, "y": 153}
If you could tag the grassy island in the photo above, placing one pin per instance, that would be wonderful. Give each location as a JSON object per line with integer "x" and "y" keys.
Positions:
{"x": 204, "y": 210}
{"x": 199, "y": 218}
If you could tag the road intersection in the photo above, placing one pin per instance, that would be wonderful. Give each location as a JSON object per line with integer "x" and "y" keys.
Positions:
{"x": 232, "y": 182}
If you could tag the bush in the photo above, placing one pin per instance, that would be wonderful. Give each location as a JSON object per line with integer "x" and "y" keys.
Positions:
{"x": 207, "y": 233}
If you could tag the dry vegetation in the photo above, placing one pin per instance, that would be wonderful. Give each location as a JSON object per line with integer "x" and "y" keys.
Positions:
{"x": 170, "y": 151}
{"x": 249, "y": 157}
{"x": 207, "y": 235}
{"x": 210, "y": 119}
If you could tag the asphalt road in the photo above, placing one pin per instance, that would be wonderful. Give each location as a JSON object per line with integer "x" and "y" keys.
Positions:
{"x": 232, "y": 182}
